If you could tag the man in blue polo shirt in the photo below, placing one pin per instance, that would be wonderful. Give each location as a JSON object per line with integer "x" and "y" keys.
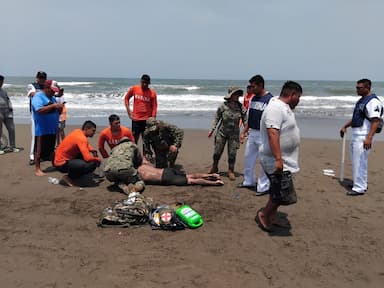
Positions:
{"x": 255, "y": 111}
{"x": 46, "y": 112}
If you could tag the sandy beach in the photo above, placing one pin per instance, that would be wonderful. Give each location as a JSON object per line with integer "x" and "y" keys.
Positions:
{"x": 49, "y": 236}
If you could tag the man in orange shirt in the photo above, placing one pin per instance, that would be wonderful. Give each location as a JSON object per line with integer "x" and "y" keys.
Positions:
{"x": 248, "y": 97}
{"x": 75, "y": 155}
{"x": 113, "y": 134}
{"x": 144, "y": 105}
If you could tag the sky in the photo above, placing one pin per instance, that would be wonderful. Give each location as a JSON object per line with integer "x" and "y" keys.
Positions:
{"x": 198, "y": 39}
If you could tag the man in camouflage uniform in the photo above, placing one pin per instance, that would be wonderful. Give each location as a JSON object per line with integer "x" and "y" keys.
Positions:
{"x": 226, "y": 125}
{"x": 164, "y": 139}
{"x": 121, "y": 166}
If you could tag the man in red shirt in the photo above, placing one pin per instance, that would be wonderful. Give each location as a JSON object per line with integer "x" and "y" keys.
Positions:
{"x": 75, "y": 155}
{"x": 113, "y": 134}
{"x": 144, "y": 105}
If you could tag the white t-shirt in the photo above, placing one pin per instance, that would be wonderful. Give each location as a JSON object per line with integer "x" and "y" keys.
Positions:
{"x": 280, "y": 116}
{"x": 373, "y": 110}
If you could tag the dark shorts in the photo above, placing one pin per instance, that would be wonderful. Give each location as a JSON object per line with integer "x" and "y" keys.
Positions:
{"x": 138, "y": 128}
{"x": 45, "y": 147}
{"x": 282, "y": 191}
{"x": 173, "y": 176}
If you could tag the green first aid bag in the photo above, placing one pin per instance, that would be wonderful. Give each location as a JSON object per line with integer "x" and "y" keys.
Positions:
{"x": 189, "y": 216}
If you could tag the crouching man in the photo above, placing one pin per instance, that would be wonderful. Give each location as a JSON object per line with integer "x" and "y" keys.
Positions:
{"x": 75, "y": 155}
{"x": 121, "y": 166}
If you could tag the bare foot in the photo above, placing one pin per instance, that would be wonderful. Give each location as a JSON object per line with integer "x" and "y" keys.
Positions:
{"x": 38, "y": 172}
{"x": 67, "y": 181}
{"x": 213, "y": 177}
{"x": 219, "y": 182}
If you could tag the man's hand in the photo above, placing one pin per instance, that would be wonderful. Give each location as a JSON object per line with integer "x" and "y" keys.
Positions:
{"x": 278, "y": 165}
{"x": 210, "y": 134}
{"x": 172, "y": 148}
{"x": 242, "y": 137}
{"x": 367, "y": 144}
{"x": 342, "y": 131}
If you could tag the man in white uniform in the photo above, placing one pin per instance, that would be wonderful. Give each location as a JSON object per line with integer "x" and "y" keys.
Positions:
{"x": 365, "y": 121}
{"x": 279, "y": 152}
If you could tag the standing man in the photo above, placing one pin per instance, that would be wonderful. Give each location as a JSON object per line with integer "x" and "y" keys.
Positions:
{"x": 279, "y": 152}
{"x": 113, "y": 134}
{"x": 165, "y": 140}
{"x": 75, "y": 155}
{"x": 248, "y": 97}
{"x": 32, "y": 89}
{"x": 365, "y": 121}
{"x": 144, "y": 105}
{"x": 46, "y": 112}
{"x": 256, "y": 107}
{"x": 6, "y": 117}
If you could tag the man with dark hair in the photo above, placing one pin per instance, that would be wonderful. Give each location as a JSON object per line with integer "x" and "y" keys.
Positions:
{"x": 279, "y": 152}
{"x": 32, "y": 89}
{"x": 46, "y": 112}
{"x": 365, "y": 121}
{"x": 75, "y": 155}
{"x": 6, "y": 118}
{"x": 113, "y": 134}
{"x": 144, "y": 105}
{"x": 256, "y": 107}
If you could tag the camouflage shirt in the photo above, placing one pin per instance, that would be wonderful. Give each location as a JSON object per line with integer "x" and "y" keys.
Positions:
{"x": 168, "y": 133}
{"x": 124, "y": 156}
{"x": 228, "y": 118}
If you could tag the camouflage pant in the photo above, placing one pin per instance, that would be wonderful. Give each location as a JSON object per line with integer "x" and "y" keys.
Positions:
{"x": 127, "y": 176}
{"x": 232, "y": 145}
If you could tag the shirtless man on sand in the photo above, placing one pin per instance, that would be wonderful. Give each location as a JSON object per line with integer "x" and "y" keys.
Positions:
{"x": 170, "y": 176}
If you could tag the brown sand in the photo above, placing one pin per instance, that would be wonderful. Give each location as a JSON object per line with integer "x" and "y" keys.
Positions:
{"x": 49, "y": 236}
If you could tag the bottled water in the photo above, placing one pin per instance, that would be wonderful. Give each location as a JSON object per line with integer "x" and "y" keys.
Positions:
{"x": 53, "y": 180}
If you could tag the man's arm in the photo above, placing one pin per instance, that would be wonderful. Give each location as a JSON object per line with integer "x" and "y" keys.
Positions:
{"x": 127, "y": 97}
{"x": 154, "y": 105}
{"x": 100, "y": 145}
{"x": 86, "y": 151}
{"x": 216, "y": 121}
{"x": 344, "y": 128}
{"x": 274, "y": 144}
{"x": 368, "y": 141}
{"x": 147, "y": 146}
{"x": 178, "y": 135}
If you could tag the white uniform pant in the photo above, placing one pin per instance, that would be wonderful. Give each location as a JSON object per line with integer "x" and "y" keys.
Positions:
{"x": 250, "y": 156}
{"x": 32, "y": 150}
{"x": 359, "y": 158}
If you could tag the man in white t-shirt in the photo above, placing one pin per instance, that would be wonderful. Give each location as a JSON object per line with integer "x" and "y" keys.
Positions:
{"x": 279, "y": 151}
{"x": 365, "y": 121}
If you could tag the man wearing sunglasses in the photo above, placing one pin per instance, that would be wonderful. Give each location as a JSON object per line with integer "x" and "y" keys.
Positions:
{"x": 365, "y": 121}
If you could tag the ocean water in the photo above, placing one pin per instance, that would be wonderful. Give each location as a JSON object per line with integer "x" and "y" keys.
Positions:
{"x": 186, "y": 102}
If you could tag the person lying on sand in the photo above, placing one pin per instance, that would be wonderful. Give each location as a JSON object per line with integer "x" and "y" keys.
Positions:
{"x": 171, "y": 176}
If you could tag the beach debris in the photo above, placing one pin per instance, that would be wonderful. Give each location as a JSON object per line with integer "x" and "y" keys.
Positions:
{"x": 329, "y": 172}
{"x": 53, "y": 180}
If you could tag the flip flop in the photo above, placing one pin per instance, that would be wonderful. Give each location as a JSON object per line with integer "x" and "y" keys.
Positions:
{"x": 260, "y": 224}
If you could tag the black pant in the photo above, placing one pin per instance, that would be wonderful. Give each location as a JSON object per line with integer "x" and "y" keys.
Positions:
{"x": 45, "y": 147}
{"x": 138, "y": 128}
{"x": 77, "y": 168}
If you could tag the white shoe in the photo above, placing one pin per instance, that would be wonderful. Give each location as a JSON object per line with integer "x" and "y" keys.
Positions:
{"x": 14, "y": 149}
{"x": 2, "y": 152}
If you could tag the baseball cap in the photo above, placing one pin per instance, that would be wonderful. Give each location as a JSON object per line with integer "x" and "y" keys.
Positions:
{"x": 52, "y": 85}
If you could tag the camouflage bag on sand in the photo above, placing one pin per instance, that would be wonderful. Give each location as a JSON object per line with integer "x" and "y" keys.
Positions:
{"x": 132, "y": 211}
{"x": 164, "y": 218}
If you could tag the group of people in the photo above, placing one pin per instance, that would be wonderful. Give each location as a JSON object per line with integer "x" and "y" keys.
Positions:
{"x": 267, "y": 123}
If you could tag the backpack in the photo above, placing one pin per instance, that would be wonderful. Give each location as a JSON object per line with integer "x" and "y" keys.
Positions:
{"x": 128, "y": 212}
{"x": 164, "y": 218}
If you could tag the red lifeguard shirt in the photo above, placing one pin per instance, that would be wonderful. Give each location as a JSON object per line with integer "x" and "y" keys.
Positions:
{"x": 144, "y": 102}
{"x": 247, "y": 98}
{"x": 72, "y": 145}
{"x": 112, "y": 140}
